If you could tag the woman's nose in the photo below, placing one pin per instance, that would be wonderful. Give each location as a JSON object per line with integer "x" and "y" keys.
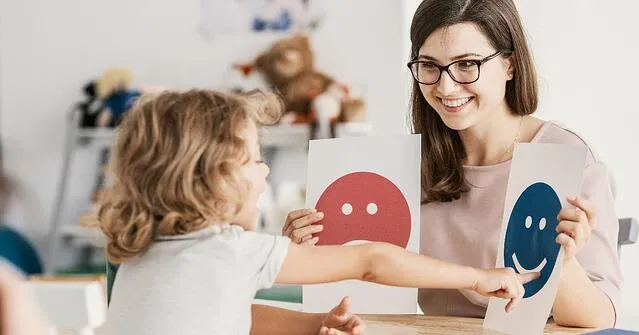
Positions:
{"x": 446, "y": 84}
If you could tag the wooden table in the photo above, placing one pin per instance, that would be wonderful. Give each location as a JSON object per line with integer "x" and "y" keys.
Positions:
{"x": 436, "y": 325}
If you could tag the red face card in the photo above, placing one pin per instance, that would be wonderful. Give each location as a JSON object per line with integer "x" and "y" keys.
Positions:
{"x": 364, "y": 206}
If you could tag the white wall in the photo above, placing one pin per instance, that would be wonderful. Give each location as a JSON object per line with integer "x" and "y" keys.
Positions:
{"x": 49, "y": 49}
{"x": 585, "y": 55}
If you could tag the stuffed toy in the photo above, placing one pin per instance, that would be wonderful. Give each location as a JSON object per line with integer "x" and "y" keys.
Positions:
{"x": 309, "y": 96}
{"x": 91, "y": 107}
{"x": 113, "y": 87}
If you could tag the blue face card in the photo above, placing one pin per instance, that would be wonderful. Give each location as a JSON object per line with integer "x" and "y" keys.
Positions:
{"x": 530, "y": 237}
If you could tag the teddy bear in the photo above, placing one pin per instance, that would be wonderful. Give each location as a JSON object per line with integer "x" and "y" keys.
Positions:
{"x": 309, "y": 96}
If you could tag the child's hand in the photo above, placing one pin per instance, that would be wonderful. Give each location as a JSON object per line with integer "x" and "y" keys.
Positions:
{"x": 340, "y": 320}
{"x": 299, "y": 226}
{"x": 503, "y": 283}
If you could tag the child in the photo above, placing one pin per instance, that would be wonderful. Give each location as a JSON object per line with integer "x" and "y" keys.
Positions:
{"x": 179, "y": 217}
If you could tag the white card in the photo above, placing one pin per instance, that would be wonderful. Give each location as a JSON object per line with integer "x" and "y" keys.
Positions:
{"x": 369, "y": 190}
{"x": 541, "y": 177}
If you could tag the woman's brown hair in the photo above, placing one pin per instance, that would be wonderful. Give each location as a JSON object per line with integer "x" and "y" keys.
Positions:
{"x": 442, "y": 150}
{"x": 174, "y": 166}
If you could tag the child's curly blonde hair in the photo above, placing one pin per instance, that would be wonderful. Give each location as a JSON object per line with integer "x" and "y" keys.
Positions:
{"x": 175, "y": 165}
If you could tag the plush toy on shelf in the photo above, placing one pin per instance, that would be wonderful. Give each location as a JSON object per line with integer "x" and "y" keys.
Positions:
{"x": 114, "y": 89}
{"x": 310, "y": 96}
{"x": 90, "y": 108}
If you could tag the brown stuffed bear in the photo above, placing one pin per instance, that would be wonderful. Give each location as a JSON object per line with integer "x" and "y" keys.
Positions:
{"x": 309, "y": 96}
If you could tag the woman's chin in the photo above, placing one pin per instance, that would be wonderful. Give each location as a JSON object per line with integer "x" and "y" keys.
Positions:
{"x": 457, "y": 123}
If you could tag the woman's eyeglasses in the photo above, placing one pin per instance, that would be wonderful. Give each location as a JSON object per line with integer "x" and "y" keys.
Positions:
{"x": 465, "y": 71}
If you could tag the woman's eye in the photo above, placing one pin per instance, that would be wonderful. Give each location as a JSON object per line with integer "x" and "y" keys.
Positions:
{"x": 428, "y": 67}
{"x": 466, "y": 64}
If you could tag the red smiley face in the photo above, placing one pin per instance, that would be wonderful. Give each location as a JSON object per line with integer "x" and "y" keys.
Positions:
{"x": 364, "y": 206}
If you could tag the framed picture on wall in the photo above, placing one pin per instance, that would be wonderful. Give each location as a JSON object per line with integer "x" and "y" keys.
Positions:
{"x": 259, "y": 16}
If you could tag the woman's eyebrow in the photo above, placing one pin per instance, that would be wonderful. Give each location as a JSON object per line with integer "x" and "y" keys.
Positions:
{"x": 462, "y": 56}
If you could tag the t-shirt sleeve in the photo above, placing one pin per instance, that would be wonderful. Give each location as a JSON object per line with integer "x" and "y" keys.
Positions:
{"x": 599, "y": 255}
{"x": 263, "y": 256}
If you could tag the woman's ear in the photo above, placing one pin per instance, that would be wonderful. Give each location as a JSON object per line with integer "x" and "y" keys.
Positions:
{"x": 510, "y": 68}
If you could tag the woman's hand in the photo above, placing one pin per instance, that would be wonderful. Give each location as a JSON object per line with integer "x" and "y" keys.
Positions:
{"x": 299, "y": 226}
{"x": 503, "y": 283}
{"x": 575, "y": 226}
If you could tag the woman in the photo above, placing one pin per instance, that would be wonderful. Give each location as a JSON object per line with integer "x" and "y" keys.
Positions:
{"x": 474, "y": 91}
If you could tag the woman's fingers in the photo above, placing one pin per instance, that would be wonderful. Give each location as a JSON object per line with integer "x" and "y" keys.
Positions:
{"x": 302, "y": 222}
{"x": 296, "y": 214}
{"x": 302, "y": 234}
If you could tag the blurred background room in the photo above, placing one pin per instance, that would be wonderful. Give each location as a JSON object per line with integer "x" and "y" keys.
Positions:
{"x": 70, "y": 69}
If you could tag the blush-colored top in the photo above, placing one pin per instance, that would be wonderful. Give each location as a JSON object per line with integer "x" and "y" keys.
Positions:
{"x": 466, "y": 231}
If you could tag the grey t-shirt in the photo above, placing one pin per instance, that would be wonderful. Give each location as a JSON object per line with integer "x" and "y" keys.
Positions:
{"x": 198, "y": 283}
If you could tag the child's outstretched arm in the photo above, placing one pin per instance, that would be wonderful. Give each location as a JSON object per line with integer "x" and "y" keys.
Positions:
{"x": 388, "y": 264}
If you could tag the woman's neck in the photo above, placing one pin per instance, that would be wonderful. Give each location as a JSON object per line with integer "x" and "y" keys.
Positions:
{"x": 492, "y": 140}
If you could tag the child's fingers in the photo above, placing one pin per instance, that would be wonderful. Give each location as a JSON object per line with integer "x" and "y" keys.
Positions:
{"x": 512, "y": 303}
{"x": 343, "y": 307}
{"x": 355, "y": 325}
{"x": 528, "y": 277}
{"x": 330, "y": 331}
{"x": 359, "y": 328}
{"x": 500, "y": 294}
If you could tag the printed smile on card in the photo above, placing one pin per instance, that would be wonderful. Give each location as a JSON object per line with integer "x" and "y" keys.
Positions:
{"x": 522, "y": 270}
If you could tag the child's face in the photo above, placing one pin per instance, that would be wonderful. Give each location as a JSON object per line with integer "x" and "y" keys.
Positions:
{"x": 255, "y": 171}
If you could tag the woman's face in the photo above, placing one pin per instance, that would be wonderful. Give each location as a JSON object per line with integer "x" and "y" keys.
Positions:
{"x": 462, "y": 106}
{"x": 255, "y": 172}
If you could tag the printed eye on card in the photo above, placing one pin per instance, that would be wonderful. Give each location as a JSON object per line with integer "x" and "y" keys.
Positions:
{"x": 369, "y": 191}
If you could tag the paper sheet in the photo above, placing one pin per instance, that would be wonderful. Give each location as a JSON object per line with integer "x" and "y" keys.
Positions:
{"x": 542, "y": 176}
{"x": 369, "y": 190}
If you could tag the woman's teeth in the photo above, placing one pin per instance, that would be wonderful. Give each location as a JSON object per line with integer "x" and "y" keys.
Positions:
{"x": 455, "y": 102}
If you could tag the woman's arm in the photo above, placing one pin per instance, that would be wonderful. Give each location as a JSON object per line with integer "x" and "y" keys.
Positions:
{"x": 576, "y": 289}
{"x": 387, "y": 264}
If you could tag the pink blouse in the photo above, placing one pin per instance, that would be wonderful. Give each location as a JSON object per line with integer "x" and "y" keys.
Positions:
{"x": 466, "y": 230}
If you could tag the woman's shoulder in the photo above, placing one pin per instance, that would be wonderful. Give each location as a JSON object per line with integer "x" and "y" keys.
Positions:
{"x": 557, "y": 133}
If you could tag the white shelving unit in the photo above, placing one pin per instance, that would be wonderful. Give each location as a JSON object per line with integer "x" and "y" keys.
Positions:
{"x": 60, "y": 232}
{"x": 297, "y": 135}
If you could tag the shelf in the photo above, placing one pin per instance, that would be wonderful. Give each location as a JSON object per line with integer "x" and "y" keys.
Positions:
{"x": 95, "y": 133}
{"x": 298, "y": 135}
{"x": 101, "y": 137}
{"x": 83, "y": 236}
{"x": 280, "y": 136}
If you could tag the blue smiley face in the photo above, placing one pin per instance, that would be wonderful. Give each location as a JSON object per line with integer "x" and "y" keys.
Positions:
{"x": 530, "y": 237}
